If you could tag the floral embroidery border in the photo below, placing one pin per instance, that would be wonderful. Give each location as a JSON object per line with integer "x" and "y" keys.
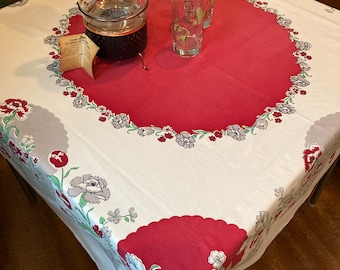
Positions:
{"x": 19, "y": 3}
{"x": 315, "y": 159}
{"x": 90, "y": 190}
{"x": 185, "y": 138}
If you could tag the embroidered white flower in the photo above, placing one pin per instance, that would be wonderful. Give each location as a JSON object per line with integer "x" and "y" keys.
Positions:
{"x": 279, "y": 192}
{"x": 145, "y": 131}
{"x": 261, "y": 123}
{"x": 261, "y": 220}
{"x": 27, "y": 139}
{"x": 134, "y": 262}
{"x": 217, "y": 259}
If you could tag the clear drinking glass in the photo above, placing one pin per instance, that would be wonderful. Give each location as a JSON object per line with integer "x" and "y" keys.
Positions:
{"x": 187, "y": 26}
{"x": 209, "y": 11}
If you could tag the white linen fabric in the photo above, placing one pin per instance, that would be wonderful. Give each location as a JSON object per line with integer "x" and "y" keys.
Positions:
{"x": 108, "y": 185}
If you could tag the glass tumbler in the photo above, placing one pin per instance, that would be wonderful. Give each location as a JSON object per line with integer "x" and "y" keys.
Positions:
{"x": 187, "y": 26}
{"x": 209, "y": 11}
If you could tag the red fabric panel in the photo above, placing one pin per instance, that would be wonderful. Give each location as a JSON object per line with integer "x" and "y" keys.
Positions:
{"x": 245, "y": 66}
{"x": 184, "y": 242}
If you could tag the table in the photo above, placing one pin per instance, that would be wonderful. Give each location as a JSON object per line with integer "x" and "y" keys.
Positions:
{"x": 195, "y": 163}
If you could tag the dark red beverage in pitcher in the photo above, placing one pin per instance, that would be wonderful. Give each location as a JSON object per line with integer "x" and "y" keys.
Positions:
{"x": 118, "y": 27}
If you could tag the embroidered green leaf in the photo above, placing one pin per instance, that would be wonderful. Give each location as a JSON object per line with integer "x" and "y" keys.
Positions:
{"x": 87, "y": 215}
{"x": 87, "y": 227}
{"x": 8, "y": 119}
{"x": 55, "y": 181}
{"x": 131, "y": 127}
{"x": 68, "y": 172}
{"x": 127, "y": 219}
{"x": 201, "y": 133}
{"x": 82, "y": 201}
{"x": 16, "y": 131}
{"x": 155, "y": 267}
{"x": 101, "y": 220}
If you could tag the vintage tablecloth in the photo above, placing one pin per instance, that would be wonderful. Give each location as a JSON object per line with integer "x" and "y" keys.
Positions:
{"x": 194, "y": 164}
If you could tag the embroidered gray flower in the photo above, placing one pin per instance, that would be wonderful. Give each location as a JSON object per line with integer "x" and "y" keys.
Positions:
{"x": 116, "y": 217}
{"x": 92, "y": 187}
{"x": 304, "y": 66}
{"x": 64, "y": 23}
{"x": 62, "y": 82}
{"x": 133, "y": 215}
{"x": 272, "y": 10}
{"x": 74, "y": 11}
{"x": 284, "y": 22}
{"x": 236, "y": 132}
{"x": 261, "y": 220}
{"x": 55, "y": 66}
{"x": 185, "y": 139}
{"x": 80, "y": 101}
{"x": 279, "y": 192}
{"x": 120, "y": 120}
{"x": 51, "y": 40}
{"x": 285, "y": 108}
{"x": 261, "y": 123}
{"x": 299, "y": 81}
{"x": 145, "y": 131}
{"x": 303, "y": 45}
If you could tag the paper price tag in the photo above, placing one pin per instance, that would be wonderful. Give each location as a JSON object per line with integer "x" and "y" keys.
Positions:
{"x": 77, "y": 51}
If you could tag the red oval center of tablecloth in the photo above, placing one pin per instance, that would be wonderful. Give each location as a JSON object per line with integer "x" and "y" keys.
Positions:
{"x": 245, "y": 66}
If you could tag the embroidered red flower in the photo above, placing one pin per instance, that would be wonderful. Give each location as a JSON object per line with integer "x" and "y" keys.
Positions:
{"x": 162, "y": 139}
{"x": 18, "y": 152}
{"x": 58, "y": 158}
{"x": 218, "y": 133}
{"x": 102, "y": 119}
{"x": 277, "y": 114}
{"x": 168, "y": 135}
{"x": 17, "y": 106}
{"x": 97, "y": 231}
{"x": 64, "y": 199}
{"x": 311, "y": 155}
